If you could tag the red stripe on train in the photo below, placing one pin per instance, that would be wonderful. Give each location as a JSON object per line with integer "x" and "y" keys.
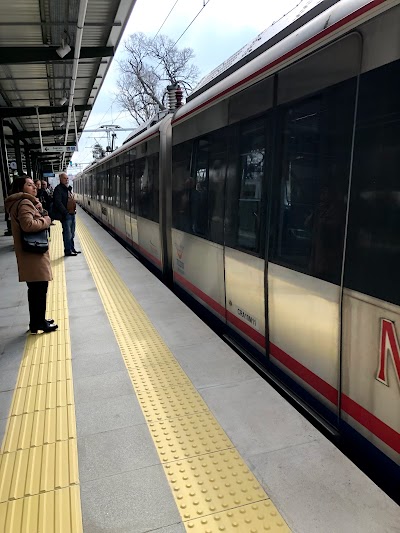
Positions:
{"x": 202, "y": 295}
{"x": 381, "y": 430}
{"x": 384, "y": 432}
{"x": 317, "y": 383}
{"x": 139, "y": 248}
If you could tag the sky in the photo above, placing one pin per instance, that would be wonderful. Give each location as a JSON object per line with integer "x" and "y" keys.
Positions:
{"x": 220, "y": 30}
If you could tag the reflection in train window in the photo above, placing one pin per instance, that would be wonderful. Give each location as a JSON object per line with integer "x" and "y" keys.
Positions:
{"x": 252, "y": 167}
{"x": 181, "y": 158}
{"x": 198, "y": 181}
{"x": 199, "y": 190}
{"x": 316, "y": 146}
{"x": 147, "y": 186}
{"x": 373, "y": 249}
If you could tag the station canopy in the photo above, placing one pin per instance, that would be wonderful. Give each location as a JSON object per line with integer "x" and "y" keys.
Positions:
{"x": 54, "y": 55}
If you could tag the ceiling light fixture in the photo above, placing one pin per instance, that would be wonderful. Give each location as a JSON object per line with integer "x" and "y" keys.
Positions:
{"x": 63, "y": 100}
{"x": 62, "y": 124}
{"x": 63, "y": 50}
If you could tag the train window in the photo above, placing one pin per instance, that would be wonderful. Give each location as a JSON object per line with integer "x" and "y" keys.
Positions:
{"x": 252, "y": 162}
{"x": 198, "y": 182}
{"x": 133, "y": 206}
{"x": 117, "y": 186}
{"x": 125, "y": 188}
{"x": 373, "y": 245}
{"x": 140, "y": 169}
{"x": 199, "y": 189}
{"x": 109, "y": 187}
{"x": 148, "y": 187}
{"x": 309, "y": 220}
{"x": 328, "y": 66}
{"x": 216, "y": 185}
{"x": 181, "y": 159}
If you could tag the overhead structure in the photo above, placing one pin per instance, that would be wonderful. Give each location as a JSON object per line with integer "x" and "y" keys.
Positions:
{"x": 54, "y": 55}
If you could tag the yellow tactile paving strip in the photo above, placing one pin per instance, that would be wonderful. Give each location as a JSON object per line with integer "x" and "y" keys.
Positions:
{"x": 39, "y": 483}
{"x": 213, "y": 488}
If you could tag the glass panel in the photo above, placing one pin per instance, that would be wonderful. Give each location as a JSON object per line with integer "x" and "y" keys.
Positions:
{"x": 132, "y": 188}
{"x": 252, "y": 167}
{"x": 181, "y": 186}
{"x": 199, "y": 192}
{"x": 373, "y": 249}
{"x": 140, "y": 180}
{"x": 316, "y": 147}
{"x": 216, "y": 186}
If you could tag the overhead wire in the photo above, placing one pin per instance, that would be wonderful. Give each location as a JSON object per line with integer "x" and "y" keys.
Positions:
{"x": 205, "y": 4}
{"x": 166, "y": 18}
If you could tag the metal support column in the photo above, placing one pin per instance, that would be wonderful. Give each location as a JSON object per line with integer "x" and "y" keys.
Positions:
{"x": 34, "y": 165}
{"x": 4, "y": 173}
{"x": 17, "y": 149}
{"x": 27, "y": 159}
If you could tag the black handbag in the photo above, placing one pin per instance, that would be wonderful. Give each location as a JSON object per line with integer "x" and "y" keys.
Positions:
{"x": 34, "y": 242}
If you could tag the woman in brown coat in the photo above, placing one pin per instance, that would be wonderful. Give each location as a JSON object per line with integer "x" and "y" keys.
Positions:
{"x": 26, "y": 214}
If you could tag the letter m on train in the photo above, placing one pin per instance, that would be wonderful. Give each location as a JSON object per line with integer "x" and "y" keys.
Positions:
{"x": 389, "y": 349}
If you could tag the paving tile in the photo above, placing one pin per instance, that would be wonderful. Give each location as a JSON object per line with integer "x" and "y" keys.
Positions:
{"x": 175, "y": 528}
{"x": 133, "y": 502}
{"x": 212, "y": 363}
{"x": 113, "y": 452}
{"x": 256, "y": 418}
{"x": 317, "y": 489}
{"x": 8, "y": 379}
{"x": 102, "y": 386}
{"x": 93, "y": 364}
{"x": 5, "y": 403}
{"x": 183, "y": 331}
{"x": 83, "y": 299}
{"x": 88, "y": 336}
{"x": 11, "y": 352}
{"x": 106, "y": 415}
{"x": 3, "y": 423}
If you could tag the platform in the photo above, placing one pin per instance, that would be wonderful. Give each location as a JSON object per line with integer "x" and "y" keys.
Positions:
{"x": 135, "y": 417}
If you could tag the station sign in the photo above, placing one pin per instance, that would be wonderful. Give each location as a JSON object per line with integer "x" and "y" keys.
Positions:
{"x": 57, "y": 148}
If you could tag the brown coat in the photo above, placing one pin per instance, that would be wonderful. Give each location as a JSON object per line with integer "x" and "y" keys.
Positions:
{"x": 31, "y": 266}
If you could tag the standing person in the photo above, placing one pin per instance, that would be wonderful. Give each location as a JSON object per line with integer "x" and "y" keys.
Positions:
{"x": 49, "y": 191}
{"x": 26, "y": 215}
{"x": 64, "y": 209}
{"x": 43, "y": 195}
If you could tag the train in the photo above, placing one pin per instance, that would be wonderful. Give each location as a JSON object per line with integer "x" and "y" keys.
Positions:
{"x": 271, "y": 201}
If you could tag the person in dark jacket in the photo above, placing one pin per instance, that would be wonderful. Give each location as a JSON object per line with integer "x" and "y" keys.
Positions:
{"x": 27, "y": 215}
{"x": 64, "y": 209}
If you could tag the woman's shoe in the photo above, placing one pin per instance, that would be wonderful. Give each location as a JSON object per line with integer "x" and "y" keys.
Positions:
{"x": 46, "y": 328}
{"x": 48, "y": 322}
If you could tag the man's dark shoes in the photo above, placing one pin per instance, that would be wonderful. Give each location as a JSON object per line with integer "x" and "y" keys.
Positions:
{"x": 46, "y": 328}
{"x": 72, "y": 254}
{"x": 76, "y": 251}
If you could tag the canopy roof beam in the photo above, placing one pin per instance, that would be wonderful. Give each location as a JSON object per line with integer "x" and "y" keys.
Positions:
{"x": 11, "y": 55}
{"x": 6, "y": 112}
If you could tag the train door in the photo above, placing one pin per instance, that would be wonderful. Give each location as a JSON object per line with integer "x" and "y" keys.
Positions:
{"x": 243, "y": 253}
{"x": 316, "y": 101}
{"x": 247, "y": 181}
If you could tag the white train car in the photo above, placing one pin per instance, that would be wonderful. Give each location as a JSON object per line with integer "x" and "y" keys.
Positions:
{"x": 276, "y": 206}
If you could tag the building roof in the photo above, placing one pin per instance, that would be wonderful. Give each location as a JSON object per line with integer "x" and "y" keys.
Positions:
{"x": 35, "y": 80}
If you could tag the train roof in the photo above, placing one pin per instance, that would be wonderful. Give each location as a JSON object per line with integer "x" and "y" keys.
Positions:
{"x": 340, "y": 18}
{"x": 297, "y": 17}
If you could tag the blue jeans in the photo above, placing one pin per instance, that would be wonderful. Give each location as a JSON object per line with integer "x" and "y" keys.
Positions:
{"x": 68, "y": 226}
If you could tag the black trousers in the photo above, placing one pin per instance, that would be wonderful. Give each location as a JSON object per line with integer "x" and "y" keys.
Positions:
{"x": 37, "y": 293}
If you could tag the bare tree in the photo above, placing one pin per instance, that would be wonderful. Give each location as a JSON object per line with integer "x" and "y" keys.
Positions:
{"x": 150, "y": 65}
